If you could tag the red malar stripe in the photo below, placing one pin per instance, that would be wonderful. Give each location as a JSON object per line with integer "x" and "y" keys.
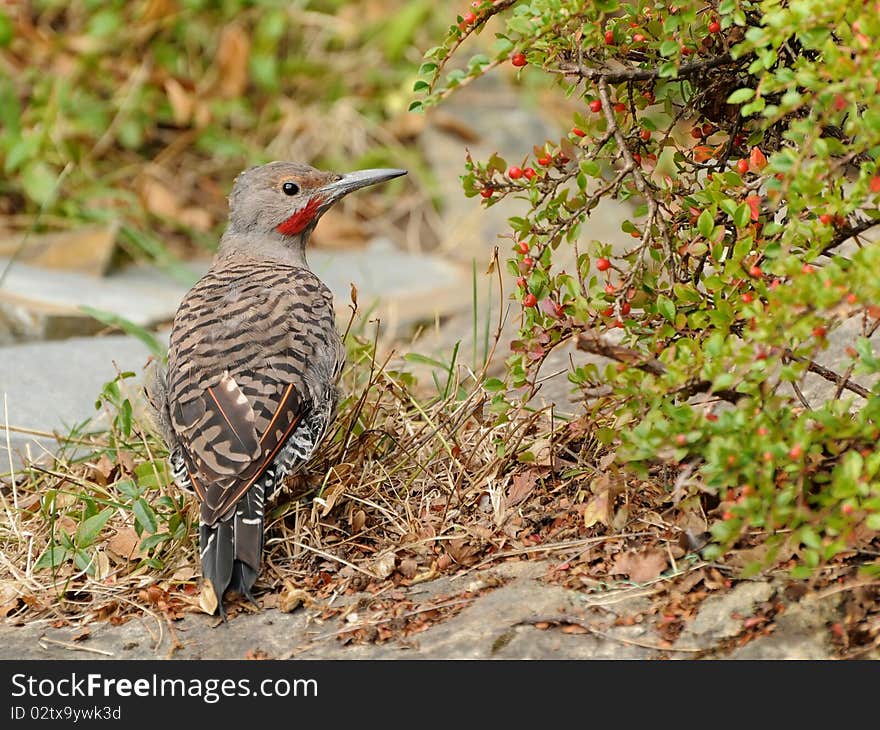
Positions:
{"x": 300, "y": 220}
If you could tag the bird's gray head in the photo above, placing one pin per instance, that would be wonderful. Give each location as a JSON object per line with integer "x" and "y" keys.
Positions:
{"x": 274, "y": 207}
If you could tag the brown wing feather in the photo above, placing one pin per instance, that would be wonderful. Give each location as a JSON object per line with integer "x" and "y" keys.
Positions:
{"x": 220, "y": 496}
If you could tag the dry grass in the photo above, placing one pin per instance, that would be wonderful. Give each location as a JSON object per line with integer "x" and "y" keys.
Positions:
{"x": 410, "y": 486}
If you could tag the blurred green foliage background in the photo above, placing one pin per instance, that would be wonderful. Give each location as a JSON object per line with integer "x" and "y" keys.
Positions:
{"x": 143, "y": 112}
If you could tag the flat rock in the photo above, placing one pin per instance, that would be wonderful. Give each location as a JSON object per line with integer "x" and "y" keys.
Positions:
{"x": 52, "y": 386}
{"x": 401, "y": 288}
{"x": 38, "y": 303}
{"x": 721, "y": 617}
{"x": 505, "y": 612}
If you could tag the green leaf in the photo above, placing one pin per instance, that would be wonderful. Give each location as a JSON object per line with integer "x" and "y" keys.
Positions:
{"x": 706, "y": 224}
{"x": 89, "y": 530}
{"x": 740, "y": 96}
{"x": 145, "y": 516}
{"x": 421, "y": 86}
{"x": 742, "y": 215}
{"x": 52, "y": 558}
{"x": 666, "y": 307}
{"x": 38, "y": 180}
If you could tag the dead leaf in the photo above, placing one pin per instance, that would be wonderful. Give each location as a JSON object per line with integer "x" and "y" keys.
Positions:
{"x": 542, "y": 452}
{"x": 339, "y": 230}
{"x": 183, "y": 575}
{"x": 81, "y": 635}
{"x": 329, "y": 497}
{"x": 158, "y": 199}
{"x": 358, "y": 520}
{"x": 125, "y": 543}
{"x": 180, "y": 100}
{"x": 8, "y": 598}
{"x": 208, "y": 598}
{"x": 408, "y": 568}
{"x": 233, "y": 54}
{"x": 522, "y": 486}
{"x": 198, "y": 219}
{"x": 597, "y": 510}
{"x": 384, "y": 565}
{"x": 102, "y": 470}
{"x": 462, "y": 551}
{"x": 640, "y": 567}
{"x": 292, "y": 598}
{"x": 101, "y": 565}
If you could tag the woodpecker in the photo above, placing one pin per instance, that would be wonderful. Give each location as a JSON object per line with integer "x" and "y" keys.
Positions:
{"x": 250, "y": 386}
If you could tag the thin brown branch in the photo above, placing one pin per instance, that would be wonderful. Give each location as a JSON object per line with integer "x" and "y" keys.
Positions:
{"x": 617, "y": 76}
{"x": 847, "y": 232}
{"x": 597, "y": 345}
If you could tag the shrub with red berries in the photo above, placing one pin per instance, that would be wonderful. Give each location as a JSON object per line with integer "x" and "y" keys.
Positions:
{"x": 742, "y": 313}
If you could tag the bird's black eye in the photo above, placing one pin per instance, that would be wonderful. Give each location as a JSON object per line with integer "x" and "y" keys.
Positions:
{"x": 290, "y": 188}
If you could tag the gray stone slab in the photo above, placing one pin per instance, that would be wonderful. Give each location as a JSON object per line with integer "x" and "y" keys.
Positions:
{"x": 52, "y": 386}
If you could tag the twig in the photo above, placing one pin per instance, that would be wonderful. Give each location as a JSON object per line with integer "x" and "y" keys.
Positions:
{"x": 609, "y": 76}
{"x": 573, "y": 621}
{"x": 75, "y": 647}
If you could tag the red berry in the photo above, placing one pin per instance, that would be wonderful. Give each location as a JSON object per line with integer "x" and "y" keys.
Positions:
{"x": 578, "y": 132}
{"x": 681, "y": 439}
{"x": 728, "y": 515}
{"x": 697, "y": 132}
{"x": 596, "y": 106}
{"x": 607, "y": 312}
{"x": 847, "y": 508}
{"x": 528, "y": 262}
{"x": 530, "y": 173}
{"x": 637, "y": 158}
{"x": 645, "y": 134}
{"x": 852, "y": 298}
{"x": 796, "y": 451}
{"x": 761, "y": 431}
{"x": 874, "y": 184}
{"x": 714, "y": 27}
{"x": 840, "y": 102}
{"x": 819, "y": 333}
{"x": 610, "y": 288}
{"x": 742, "y": 166}
{"x": 609, "y": 37}
{"x": 620, "y": 107}
{"x": 603, "y": 264}
{"x": 545, "y": 160}
{"x": 469, "y": 18}
{"x": 825, "y": 219}
{"x": 519, "y": 59}
{"x": 521, "y": 282}
{"x": 807, "y": 269}
{"x": 487, "y": 192}
{"x": 756, "y": 272}
{"x": 685, "y": 51}
{"x": 625, "y": 308}
{"x": 747, "y": 298}
{"x": 514, "y": 173}
{"x": 708, "y": 129}
{"x": 530, "y": 300}
{"x": 638, "y": 38}
{"x": 522, "y": 247}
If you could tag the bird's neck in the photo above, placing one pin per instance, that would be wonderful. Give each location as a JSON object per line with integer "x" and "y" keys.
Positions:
{"x": 270, "y": 246}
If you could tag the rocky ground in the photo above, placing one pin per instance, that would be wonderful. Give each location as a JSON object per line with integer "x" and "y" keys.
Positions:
{"x": 512, "y": 610}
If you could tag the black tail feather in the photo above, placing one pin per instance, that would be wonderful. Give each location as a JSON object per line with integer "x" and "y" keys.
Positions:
{"x": 231, "y": 560}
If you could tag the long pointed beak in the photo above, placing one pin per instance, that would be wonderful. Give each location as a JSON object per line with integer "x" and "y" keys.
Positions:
{"x": 355, "y": 180}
